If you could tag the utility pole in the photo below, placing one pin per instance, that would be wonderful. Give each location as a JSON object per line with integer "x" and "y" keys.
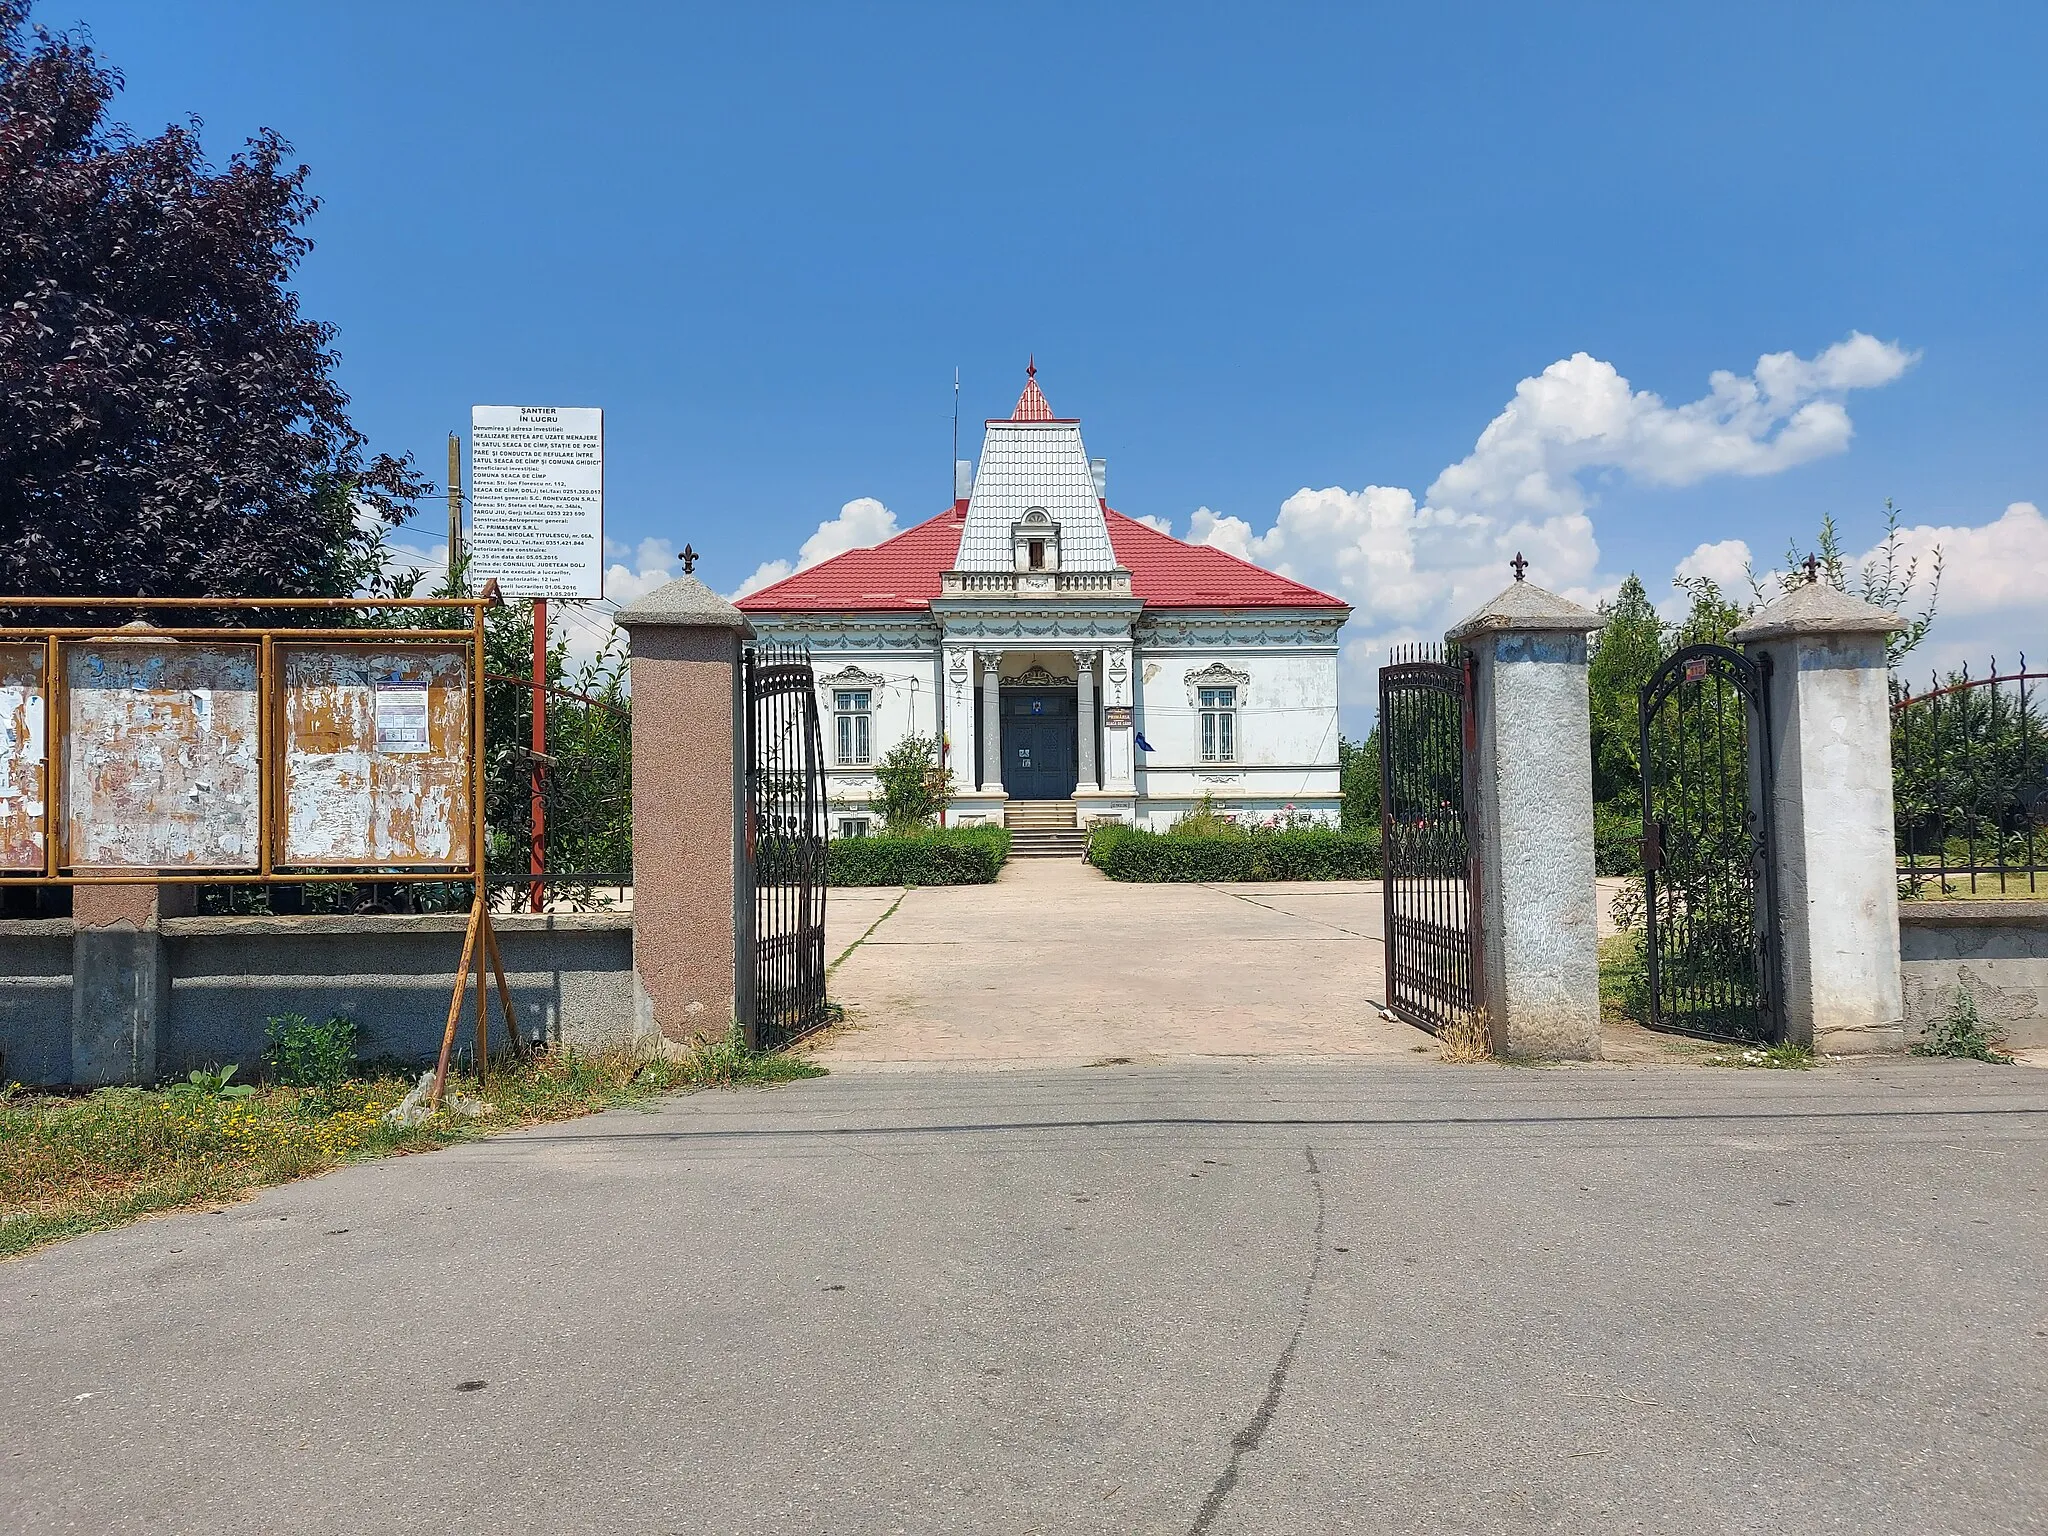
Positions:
{"x": 454, "y": 506}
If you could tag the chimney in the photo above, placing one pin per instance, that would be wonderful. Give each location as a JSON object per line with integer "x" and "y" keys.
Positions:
{"x": 963, "y": 479}
{"x": 1099, "y": 470}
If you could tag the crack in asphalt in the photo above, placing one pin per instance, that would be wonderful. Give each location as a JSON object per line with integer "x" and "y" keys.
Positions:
{"x": 1246, "y": 1440}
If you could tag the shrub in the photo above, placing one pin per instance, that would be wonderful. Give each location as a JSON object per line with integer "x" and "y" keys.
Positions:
{"x": 915, "y": 783}
{"x": 1300, "y": 853}
{"x": 303, "y": 1054}
{"x": 948, "y": 856}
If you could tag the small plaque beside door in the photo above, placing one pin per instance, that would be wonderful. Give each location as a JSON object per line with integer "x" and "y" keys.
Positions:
{"x": 1117, "y": 717}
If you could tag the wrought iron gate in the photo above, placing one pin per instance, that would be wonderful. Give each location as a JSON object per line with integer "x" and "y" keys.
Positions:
{"x": 782, "y": 901}
{"x": 1426, "y": 856}
{"x": 1710, "y": 901}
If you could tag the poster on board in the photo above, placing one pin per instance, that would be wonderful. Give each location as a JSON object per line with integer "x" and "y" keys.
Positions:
{"x": 162, "y": 755}
{"x": 536, "y": 485}
{"x": 375, "y": 755}
{"x": 24, "y": 758}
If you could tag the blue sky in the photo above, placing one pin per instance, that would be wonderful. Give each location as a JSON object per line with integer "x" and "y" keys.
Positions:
{"x": 1256, "y": 250}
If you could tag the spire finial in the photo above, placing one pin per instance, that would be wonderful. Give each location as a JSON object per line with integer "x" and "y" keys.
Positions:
{"x": 1031, "y": 366}
{"x": 689, "y": 560}
{"x": 1519, "y": 565}
{"x": 1812, "y": 567}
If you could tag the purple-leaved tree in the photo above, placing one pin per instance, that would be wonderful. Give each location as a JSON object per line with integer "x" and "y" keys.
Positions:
{"x": 170, "y": 423}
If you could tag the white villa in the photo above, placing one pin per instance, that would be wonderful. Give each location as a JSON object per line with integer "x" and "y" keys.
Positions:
{"x": 1077, "y": 664}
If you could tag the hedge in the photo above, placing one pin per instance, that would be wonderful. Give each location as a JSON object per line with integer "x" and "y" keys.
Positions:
{"x": 953, "y": 856}
{"x": 1310, "y": 853}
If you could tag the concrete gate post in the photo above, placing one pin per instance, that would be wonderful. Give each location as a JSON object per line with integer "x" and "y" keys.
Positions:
{"x": 689, "y": 808}
{"x": 1530, "y": 804}
{"x": 120, "y": 979}
{"x": 1830, "y": 756}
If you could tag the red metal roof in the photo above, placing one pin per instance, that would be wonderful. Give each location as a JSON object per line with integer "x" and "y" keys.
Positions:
{"x": 1031, "y": 405}
{"x": 902, "y": 574}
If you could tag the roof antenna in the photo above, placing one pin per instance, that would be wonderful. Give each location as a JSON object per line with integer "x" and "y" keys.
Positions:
{"x": 953, "y": 469}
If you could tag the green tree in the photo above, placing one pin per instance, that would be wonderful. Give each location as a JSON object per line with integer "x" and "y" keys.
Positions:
{"x": 916, "y": 783}
{"x": 1627, "y": 652}
{"x": 1358, "y": 779}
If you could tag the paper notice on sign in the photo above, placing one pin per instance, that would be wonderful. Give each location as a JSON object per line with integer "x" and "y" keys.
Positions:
{"x": 536, "y": 481}
{"x": 402, "y": 717}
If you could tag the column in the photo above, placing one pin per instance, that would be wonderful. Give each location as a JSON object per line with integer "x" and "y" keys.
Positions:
{"x": 1529, "y": 814}
{"x": 692, "y": 923}
{"x": 1118, "y": 760}
{"x": 1829, "y": 765}
{"x": 1084, "y": 675}
{"x": 991, "y": 722}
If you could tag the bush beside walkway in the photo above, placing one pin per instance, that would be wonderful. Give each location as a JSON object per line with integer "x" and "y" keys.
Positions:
{"x": 1298, "y": 853}
{"x": 936, "y": 856}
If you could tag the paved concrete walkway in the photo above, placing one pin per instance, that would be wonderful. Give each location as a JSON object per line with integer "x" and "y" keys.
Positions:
{"x": 1054, "y": 963}
{"x": 1235, "y": 1300}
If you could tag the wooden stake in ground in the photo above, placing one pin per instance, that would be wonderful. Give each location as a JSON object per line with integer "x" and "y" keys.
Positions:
{"x": 476, "y": 920}
{"x": 519, "y": 1046}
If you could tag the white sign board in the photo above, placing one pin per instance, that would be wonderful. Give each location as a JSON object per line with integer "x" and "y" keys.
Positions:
{"x": 536, "y": 486}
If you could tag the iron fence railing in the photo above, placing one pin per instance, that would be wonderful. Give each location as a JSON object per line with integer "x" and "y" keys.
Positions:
{"x": 1970, "y": 785}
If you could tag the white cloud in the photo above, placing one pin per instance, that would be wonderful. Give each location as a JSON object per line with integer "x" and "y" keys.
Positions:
{"x": 1994, "y": 598}
{"x": 861, "y": 523}
{"x": 1411, "y": 568}
{"x": 1727, "y": 564}
{"x": 1155, "y": 521}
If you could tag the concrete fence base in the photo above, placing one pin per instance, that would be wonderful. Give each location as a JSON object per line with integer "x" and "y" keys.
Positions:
{"x": 1999, "y": 948}
{"x": 219, "y": 980}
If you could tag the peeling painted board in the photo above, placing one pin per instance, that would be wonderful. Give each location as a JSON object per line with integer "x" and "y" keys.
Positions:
{"x": 361, "y": 786}
{"x": 24, "y": 757}
{"x": 162, "y": 746}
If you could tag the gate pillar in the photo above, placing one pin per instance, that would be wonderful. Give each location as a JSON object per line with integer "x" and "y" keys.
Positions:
{"x": 688, "y": 798}
{"x": 1529, "y": 800}
{"x": 1831, "y": 784}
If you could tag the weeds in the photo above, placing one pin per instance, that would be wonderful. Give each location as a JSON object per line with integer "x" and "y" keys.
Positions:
{"x": 1781, "y": 1058}
{"x": 78, "y": 1164}
{"x": 303, "y": 1054}
{"x": 1467, "y": 1039}
{"x": 1961, "y": 1034}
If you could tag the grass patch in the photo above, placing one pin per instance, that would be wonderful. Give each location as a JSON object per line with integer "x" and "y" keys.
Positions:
{"x": 1781, "y": 1058}
{"x": 1624, "y": 978}
{"x": 70, "y": 1165}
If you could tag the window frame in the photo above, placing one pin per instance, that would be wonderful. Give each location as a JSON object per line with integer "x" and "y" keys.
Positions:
{"x": 1216, "y": 723}
{"x": 853, "y": 728}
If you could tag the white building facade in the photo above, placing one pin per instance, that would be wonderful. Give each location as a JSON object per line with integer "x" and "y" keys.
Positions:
{"x": 1076, "y": 664}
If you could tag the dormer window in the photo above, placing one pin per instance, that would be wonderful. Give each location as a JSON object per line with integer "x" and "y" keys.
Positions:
{"x": 1035, "y": 539}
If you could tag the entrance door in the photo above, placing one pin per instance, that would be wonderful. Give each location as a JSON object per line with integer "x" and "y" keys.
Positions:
{"x": 1041, "y": 757}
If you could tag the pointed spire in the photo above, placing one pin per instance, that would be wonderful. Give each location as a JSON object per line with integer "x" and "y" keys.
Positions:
{"x": 1031, "y": 404}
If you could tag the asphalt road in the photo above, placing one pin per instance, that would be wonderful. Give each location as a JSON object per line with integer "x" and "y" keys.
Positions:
{"x": 1356, "y": 1296}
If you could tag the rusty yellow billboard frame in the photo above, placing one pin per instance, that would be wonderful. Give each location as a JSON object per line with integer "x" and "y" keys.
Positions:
{"x": 480, "y": 940}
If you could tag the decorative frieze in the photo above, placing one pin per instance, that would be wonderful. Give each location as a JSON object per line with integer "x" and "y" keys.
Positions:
{"x": 1217, "y": 675}
{"x": 1036, "y": 676}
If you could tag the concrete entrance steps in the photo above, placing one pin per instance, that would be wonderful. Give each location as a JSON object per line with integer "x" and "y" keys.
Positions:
{"x": 1044, "y": 829}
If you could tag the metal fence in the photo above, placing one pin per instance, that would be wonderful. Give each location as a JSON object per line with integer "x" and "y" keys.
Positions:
{"x": 1970, "y": 785}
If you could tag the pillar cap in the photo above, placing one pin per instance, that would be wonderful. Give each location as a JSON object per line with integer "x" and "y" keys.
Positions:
{"x": 686, "y": 603}
{"x": 1524, "y": 606}
{"x": 1816, "y": 608}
